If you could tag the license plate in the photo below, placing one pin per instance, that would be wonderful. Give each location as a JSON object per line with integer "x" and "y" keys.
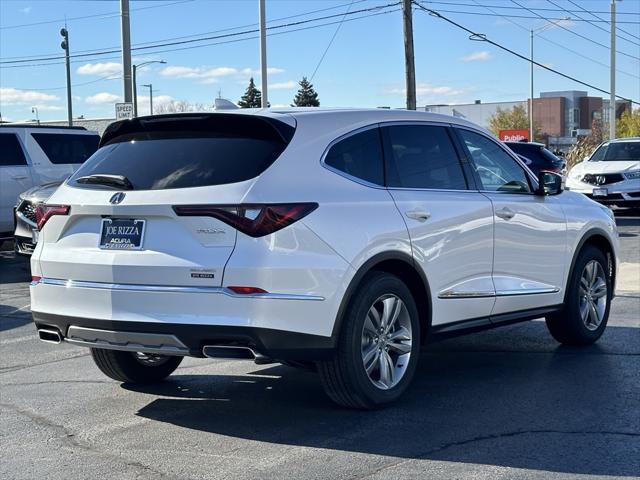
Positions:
{"x": 600, "y": 192}
{"x": 122, "y": 234}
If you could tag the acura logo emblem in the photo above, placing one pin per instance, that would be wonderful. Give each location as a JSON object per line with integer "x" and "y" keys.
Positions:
{"x": 117, "y": 198}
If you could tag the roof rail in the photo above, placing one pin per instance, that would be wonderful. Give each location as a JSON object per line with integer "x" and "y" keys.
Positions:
{"x": 31, "y": 125}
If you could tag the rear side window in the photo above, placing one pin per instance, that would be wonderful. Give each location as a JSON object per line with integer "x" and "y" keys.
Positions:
{"x": 11, "y": 153}
{"x": 67, "y": 148}
{"x": 182, "y": 153}
{"x": 422, "y": 156}
{"x": 360, "y": 156}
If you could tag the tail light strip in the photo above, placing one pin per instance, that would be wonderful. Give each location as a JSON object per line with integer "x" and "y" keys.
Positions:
{"x": 44, "y": 212}
{"x": 255, "y": 220}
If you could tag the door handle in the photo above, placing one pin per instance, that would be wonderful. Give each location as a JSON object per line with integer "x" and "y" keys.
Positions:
{"x": 20, "y": 177}
{"x": 419, "y": 215}
{"x": 506, "y": 213}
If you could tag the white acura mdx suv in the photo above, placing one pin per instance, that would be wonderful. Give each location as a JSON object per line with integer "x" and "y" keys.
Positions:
{"x": 343, "y": 240}
{"x": 611, "y": 175}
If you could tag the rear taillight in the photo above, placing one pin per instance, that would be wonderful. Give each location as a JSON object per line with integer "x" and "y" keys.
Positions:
{"x": 253, "y": 220}
{"x": 44, "y": 212}
{"x": 247, "y": 290}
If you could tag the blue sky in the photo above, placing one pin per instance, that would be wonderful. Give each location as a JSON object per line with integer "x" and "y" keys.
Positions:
{"x": 364, "y": 65}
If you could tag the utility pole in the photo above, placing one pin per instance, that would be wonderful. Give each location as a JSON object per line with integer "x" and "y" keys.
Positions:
{"x": 126, "y": 48}
{"x": 409, "y": 61}
{"x": 531, "y": 92}
{"x": 263, "y": 53}
{"x": 150, "y": 87}
{"x": 612, "y": 73}
{"x": 65, "y": 47}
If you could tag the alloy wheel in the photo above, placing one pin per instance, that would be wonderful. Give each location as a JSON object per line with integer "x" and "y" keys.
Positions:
{"x": 593, "y": 295}
{"x": 386, "y": 341}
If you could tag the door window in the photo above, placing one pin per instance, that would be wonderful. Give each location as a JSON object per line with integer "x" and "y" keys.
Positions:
{"x": 496, "y": 169}
{"x": 422, "y": 156}
{"x": 359, "y": 155}
{"x": 11, "y": 153}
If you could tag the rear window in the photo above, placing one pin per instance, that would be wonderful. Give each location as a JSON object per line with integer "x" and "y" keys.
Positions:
{"x": 67, "y": 148}
{"x": 174, "y": 153}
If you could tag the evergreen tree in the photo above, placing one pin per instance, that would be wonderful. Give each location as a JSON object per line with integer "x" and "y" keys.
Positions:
{"x": 252, "y": 98}
{"x": 306, "y": 96}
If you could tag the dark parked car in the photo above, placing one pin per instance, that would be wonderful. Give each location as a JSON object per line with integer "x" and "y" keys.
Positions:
{"x": 538, "y": 158}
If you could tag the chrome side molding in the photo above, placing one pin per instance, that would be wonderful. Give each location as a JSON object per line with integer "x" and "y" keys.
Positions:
{"x": 169, "y": 288}
{"x": 448, "y": 294}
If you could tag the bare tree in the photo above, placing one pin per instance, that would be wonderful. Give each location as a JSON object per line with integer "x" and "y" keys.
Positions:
{"x": 179, "y": 106}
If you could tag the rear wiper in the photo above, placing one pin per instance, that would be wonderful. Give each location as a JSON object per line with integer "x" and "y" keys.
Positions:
{"x": 119, "y": 181}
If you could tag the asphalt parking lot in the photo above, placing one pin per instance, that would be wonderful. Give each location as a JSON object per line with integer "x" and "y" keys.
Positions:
{"x": 508, "y": 403}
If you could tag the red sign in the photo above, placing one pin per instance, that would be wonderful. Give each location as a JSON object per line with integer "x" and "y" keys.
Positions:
{"x": 513, "y": 135}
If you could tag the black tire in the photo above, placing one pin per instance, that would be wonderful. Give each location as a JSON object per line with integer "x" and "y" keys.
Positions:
{"x": 344, "y": 377}
{"x": 567, "y": 326}
{"x": 130, "y": 367}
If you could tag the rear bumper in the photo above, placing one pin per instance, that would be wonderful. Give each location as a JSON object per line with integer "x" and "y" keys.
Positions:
{"x": 276, "y": 344}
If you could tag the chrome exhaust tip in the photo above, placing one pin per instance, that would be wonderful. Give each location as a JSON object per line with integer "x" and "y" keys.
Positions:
{"x": 228, "y": 351}
{"x": 50, "y": 336}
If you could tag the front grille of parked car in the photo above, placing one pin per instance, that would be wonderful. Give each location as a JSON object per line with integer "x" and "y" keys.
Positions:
{"x": 602, "y": 178}
{"x": 28, "y": 209}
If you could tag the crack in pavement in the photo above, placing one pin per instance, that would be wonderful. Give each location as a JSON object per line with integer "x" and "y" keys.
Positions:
{"x": 17, "y": 368}
{"x": 71, "y": 441}
{"x": 482, "y": 438}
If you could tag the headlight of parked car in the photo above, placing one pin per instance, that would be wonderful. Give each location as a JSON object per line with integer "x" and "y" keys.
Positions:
{"x": 632, "y": 175}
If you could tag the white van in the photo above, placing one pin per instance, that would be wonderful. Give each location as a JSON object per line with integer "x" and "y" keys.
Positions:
{"x": 32, "y": 155}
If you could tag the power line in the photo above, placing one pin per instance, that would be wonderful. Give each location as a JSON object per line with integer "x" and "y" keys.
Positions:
{"x": 584, "y": 37}
{"x": 229, "y": 29}
{"x": 216, "y": 37}
{"x": 599, "y": 27}
{"x": 541, "y": 9}
{"x": 559, "y": 45}
{"x": 483, "y": 38}
{"x": 95, "y": 15}
{"x": 632, "y": 35}
{"x": 333, "y": 37}
{"x": 235, "y": 40}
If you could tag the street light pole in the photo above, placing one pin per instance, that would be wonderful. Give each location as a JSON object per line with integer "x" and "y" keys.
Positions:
{"x": 135, "y": 84}
{"x": 533, "y": 32}
{"x": 150, "y": 87}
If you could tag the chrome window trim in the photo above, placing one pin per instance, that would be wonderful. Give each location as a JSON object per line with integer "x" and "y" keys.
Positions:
{"x": 170, "y": 289}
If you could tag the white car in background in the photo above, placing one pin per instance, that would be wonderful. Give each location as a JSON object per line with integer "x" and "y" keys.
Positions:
{"x": 32, "y": 155}
{"x": 341, "y": 239}
{"x": 611, "y": 175}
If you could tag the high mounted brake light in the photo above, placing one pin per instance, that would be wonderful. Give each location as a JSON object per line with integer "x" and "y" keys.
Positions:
{"x": 44, "y": 212}
{"x": 255, "y": 220}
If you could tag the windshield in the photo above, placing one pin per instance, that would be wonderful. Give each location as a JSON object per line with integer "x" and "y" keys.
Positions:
{"x": 619, "y": 151}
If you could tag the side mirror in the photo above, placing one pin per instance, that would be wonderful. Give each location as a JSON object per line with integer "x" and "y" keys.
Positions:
{"x": 550, "y": 183}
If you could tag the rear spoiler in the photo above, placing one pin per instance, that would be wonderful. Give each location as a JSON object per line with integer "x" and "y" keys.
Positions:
{"x": 232, "y": 124}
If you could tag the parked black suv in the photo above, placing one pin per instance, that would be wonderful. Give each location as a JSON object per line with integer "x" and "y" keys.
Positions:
{"x": 538, "y": 158}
